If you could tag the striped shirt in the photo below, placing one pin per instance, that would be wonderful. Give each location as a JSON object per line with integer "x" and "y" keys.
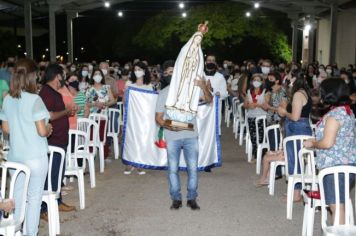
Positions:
{"x": 80, "y": 101}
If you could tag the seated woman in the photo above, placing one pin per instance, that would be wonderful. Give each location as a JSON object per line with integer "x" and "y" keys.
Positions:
{"x": 269, "y": 157}
{"x": 335, "y": 141}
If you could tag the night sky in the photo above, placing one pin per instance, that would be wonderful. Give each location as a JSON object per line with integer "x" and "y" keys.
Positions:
{"x": 100, "y": 30}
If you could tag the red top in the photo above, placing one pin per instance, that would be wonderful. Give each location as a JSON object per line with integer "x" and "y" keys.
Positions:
{"x": 54, "y": 103}
{"x": 121, "y": 87}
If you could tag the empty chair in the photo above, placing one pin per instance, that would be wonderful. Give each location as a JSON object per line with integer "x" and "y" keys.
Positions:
{"x": 72, "y": 168}
{"x": 89, "y": 150}
{"x": 101, "y": 119}
{"x": 50, "y": 196}
{"x": 9, "y": 226}
{"x": 114, "y": 129}
{"x": 343, "y": 205}
{"x": 242, "y": 123}
{"x": 235, "y": 115}
{"x": 120, "y": 106}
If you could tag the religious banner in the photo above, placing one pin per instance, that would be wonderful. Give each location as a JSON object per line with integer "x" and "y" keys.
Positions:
{"x": 143, "y": 140}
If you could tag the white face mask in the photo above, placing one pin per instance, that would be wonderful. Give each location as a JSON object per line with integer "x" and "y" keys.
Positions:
{"x": 139, "y": 74}
{"x": 256, "y": 84}
{"x": 127, "y": 68}
{"x": 72, "y": 69}
{"x": 225, "y": 66}
{"x": 329, "y": 71}
{"x": 90, "y": 67}
{"x": 85, "y": 73}
{"x": 97, "y": 78}
{"x": 105, "y": 71}
{"x": 265, "y": 70}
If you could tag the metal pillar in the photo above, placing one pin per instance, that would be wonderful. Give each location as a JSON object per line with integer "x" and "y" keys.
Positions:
{"x": 333, "y": 33}
{"x": 28, "y": 29}
{"x": 70, "y": 16}
{"x": 311, "y": 40}
{"x": 294, "y": 40}
{"x": 52, "y": 30}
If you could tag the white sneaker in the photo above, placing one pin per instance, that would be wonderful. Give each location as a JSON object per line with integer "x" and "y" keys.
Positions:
{"x": 129, "y": 171}
{"x": 141, "y": 172}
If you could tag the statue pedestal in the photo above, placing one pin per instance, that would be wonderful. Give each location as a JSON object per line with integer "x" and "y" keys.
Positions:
{"x": 179, "y": 125}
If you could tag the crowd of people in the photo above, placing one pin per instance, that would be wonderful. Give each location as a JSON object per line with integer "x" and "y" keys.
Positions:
{"x": 41, "y": 102}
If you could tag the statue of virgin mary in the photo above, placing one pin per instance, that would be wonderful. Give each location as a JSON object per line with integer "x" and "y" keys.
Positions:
{"x": 183, "y": 95}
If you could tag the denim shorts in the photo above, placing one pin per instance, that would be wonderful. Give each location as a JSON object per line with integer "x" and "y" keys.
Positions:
{"x": 329, "y": 188}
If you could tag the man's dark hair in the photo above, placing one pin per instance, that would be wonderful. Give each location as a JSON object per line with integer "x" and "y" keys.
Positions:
{"x": 167, "y": 64}
{"x": 334, "y": 92}
{"x": 51, "y": 72}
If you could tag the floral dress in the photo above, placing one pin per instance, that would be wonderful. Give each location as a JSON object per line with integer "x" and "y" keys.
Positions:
{"x": 344, "y": 150}
{"x": 100, "y": 95}
{"x": 276, "y": 98}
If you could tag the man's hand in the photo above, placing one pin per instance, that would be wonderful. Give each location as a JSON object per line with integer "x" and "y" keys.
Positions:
{"x": 49, "y": 129}
{"x": 200, "y": 83}
{"x": 7, "y": 205}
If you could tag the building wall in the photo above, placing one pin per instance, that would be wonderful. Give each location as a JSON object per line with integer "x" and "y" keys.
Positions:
{"x": 345, "y": 39}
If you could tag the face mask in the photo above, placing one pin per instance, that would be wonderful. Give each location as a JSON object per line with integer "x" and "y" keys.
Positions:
{"x": 85, "y": 73}
{"x": 256, "y": 84}
{"x": 347, "y": 81}
{"x": 265, "y": 70}
{"x": 225, "y": 66}
{"x": 116, "y": 70}
{"x": 72, "y": 69}
{"x": 82, "y": 86}
{"x": 62, "y": 82}
{"x": 329, "y": 71}
{"x": 139, "y": 74}
{"x": 243, "y": 69}
{"x": 167, "y": 78}
{"x": 90, "y": 67}
{"x": 210, "y": 66}
{"x": 105, "y": 71}
{"x": 74, "y": 84}
{"x": 127, "y": 68}
{"x": 97, "y": 78}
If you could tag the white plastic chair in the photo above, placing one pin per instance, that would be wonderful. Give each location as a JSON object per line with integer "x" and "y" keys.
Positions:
{"x": 72, "y": 168}
{"x": 100, "y": 143}
{"x": 228, "y": 112}
{"x": 349, "y": 227}
{"x": 235, "y": 115}
{"x": 114, "y": 129}
{"x": 309, "y": 184}
{"x": 260, "y": 145}
{"x": 88, "y": 151}
{"x": 5, "y": 140}
{"x": 296, "y": 177}
{"x": 242, "y": 123}
{"x": 120, "y": 106}
{"x": 9, "y": 226}
{"x": 274, "y": 164}
{"x": 49, "y": 196}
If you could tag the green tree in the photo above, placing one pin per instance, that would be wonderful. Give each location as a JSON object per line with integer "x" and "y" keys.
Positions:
{"x": 228, "y": 27}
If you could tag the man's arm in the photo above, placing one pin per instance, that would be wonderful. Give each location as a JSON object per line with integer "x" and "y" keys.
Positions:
{"x": 208, "y": 97}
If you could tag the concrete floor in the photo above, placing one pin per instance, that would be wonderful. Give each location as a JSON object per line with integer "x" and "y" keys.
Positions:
{"x": 139, "y": 205}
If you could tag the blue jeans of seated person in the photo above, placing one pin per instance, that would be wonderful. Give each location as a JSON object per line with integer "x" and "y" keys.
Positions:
{"x": 55, "y": 175}
{"x": 300, "y": 127}
{"x": 190, "y": 152}
{"x": 330, "y": 191}
{"x": 38, "y": 168}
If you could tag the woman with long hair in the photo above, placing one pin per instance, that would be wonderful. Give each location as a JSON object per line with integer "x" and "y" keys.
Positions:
{"x": 297, "y": 118}
{"x": 24, "y": 117}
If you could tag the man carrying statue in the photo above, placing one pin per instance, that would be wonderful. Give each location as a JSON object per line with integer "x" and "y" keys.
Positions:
{"x": 177, "y": 105}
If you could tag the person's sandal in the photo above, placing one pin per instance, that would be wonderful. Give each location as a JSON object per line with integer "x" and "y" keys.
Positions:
{"x": 128, "y": 171}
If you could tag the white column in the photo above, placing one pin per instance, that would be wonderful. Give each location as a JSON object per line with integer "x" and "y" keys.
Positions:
{"x": 28, "y": 29}
{"x": 70, "y": 16}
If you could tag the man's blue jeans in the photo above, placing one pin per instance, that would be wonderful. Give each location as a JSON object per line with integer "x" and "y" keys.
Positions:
{"x": 190, "y": 151}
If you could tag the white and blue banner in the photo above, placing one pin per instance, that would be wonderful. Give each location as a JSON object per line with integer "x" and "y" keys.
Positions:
{"x": 140, "y": 133}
